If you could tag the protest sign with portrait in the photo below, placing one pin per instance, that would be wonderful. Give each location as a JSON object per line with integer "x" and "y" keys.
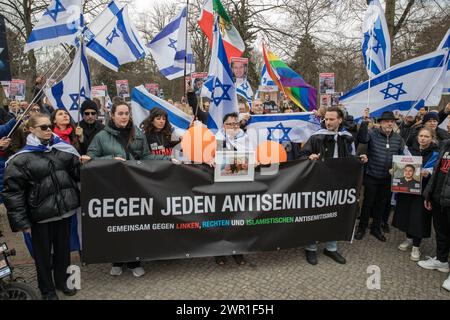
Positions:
{"x": 17, "y": 89}
{"x": 152, "y": 88}
{"x": 326, "y": 81}
{"x": 239, "y": 68}
{"x": 406, "y": 177}
{"x": 123, "y": 89}
{"x": 198, "y": 79}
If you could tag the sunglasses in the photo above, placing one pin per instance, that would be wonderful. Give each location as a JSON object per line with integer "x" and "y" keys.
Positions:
{"x": 45, "y": 127}
{"x": 90, "y": 113}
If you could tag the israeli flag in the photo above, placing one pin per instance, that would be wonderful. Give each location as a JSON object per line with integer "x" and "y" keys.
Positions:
{"x": 266, "y": 80}
{"x": 376, "y": 46}
{"x": 168, "y": 48}
{"x": 220, "y": 85}
{"x": 445, "y": 43}
{"x": 283, "y": 127}
{"x": 245, "y": 91}
{"x": 142, "y": 102}
{"x": 60, "y": 23}
{"x": 112, "y": 39}
{"x": 404, "y": 87}
{"x": 71, "y": 91}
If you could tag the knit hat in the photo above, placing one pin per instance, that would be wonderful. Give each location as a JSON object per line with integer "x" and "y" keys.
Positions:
{"x": 430, "y": 116}
{"x": 88, "y": 104}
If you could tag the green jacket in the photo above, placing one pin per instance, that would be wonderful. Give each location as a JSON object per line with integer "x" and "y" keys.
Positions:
{"x": 106, "y": 145}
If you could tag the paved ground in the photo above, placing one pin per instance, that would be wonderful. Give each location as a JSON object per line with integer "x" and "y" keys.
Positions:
{"x": 272, "y": 275}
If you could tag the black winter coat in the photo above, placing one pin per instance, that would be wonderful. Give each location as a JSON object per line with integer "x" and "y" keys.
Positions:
{"x": 89, "y": 132}
{"x": 39, "y": 186}
{"x": 444, "y": 197}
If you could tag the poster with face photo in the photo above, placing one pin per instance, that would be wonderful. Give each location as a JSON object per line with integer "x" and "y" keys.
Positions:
{"x": 198, "y": 79}
{"x": 5, "y": 86}
{"x": 335, "y": 99}
{"x": 239, "y": 68}
{"x": 233, "y": 166}
{"x": 123, "y": 89}
{"x": 152, "y": 88}
{"x": 17, "y": 89}
{"x": 326, "y": 81}
{"x": 407, "y": 177}
{"x": 325, "y": 100}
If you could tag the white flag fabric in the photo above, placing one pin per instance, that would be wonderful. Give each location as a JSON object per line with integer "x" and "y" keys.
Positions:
{"x": 112, "y": 39}
{"x": 245, "y": 91}
{"x": 445, "y": 44}
{"x": 168, "y": 48}
{"x": 142, "y": 102}
{"x": 71, "y": 91}
{"x": 220, "y": 84}
{"x": 266, "y": 80}
{"x": 376, "y": 46}
{"x": 283, "y": 127}
{"x": 402, "y": 87}
{"x": 60, "y": 23}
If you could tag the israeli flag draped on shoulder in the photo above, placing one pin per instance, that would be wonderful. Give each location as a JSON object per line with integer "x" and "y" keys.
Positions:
{"x": 283, "y": 127}
{"x": 112, "y": 39}
{"x": 245, "y": 91}
{"x": 445, "y": 44}
{"x": 71, "y": 91}
{"x": 220, "y": 84}
{"x": 168, "y": 48}
{"x": 142, "y": 102}
{"x": 60, "y": 23}
{"x": 404, "y": 87}
{"x": 33, "y": 144}
{"x": 376, "y": 46}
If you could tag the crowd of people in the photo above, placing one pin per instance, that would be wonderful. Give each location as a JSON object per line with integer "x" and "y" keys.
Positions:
{"x": 40, "y": 171}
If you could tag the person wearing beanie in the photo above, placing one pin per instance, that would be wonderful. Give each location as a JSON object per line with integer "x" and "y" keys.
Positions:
{"x": 89, "y": 126}
{"x": 429, "y": 120}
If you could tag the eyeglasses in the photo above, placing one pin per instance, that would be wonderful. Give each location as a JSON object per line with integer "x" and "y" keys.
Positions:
{"x": 45, "y": 127}
{"x": 90, "y": 113}
{"x": 232, "y": 124}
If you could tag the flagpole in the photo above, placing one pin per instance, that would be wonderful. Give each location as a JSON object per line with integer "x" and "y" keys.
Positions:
{"x": 370, "y": 67}
{"x": 79, "y": 80}
{"x": 186, "y": 49}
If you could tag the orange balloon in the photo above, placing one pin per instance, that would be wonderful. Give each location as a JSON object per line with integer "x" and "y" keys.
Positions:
{"x": 199, "y": 144}
{"x": 270, "y": 152}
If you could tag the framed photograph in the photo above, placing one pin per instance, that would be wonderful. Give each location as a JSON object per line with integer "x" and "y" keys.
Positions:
{"x": 122, "y": 88}
{"x": 239, "y": 68}
{"x": 233, "y": 166}
{"x": 198, "y": 79}
{"x": 152, "y": 88}
{"x": 406, "y": 177}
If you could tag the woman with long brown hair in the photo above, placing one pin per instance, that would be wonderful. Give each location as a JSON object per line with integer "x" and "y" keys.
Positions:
{"x": 64, "y": 128}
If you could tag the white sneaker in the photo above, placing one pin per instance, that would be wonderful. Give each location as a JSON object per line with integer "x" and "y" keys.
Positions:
{"x": 415, "y": 254}
{"x": 405, "y": 244}
{"x": 138, "y": 272}
{"x": 434, "y": 264}
{"x": 116, "y": 271}
{"x": 446, "y": 284}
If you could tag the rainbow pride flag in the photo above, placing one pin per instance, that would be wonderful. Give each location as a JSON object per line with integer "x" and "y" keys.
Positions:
{"x": 290, "y": 82}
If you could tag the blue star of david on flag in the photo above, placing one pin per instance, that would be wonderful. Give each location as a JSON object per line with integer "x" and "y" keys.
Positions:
{"x": 75, "y": 97}
{"x": 172, "y": 44}
{"x": 244, "y": 86}
{"x": 281, "y": 129}
{"x": 54, "y": 12}
{"x": 112, "y": 35}
{"x": 377, "y": 47}
{"x": 225, "y": 95}
{"x": 390, "y": 86}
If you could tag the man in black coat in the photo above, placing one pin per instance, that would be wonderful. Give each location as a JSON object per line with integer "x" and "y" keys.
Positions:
{"x": 89, "y": 126}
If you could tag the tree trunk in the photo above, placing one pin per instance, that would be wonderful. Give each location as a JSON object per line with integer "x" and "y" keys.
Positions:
{"x": 390, "y": 17}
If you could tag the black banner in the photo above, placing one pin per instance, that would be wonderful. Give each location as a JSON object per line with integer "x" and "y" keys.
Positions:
{"x": 5, "y": 71}
{"x": 158, "y": 210}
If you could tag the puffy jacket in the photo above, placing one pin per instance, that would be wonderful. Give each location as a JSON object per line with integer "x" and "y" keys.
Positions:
{"x": 89, "y": 132}
{"x": 39, "y": 186}
{"x": 108, "y": 144}
{"x": 380, "y": 157}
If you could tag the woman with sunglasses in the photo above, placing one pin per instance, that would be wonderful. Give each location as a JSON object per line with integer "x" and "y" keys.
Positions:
{"x": 41, "y": 195}
{"x": 64, "y": 128}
